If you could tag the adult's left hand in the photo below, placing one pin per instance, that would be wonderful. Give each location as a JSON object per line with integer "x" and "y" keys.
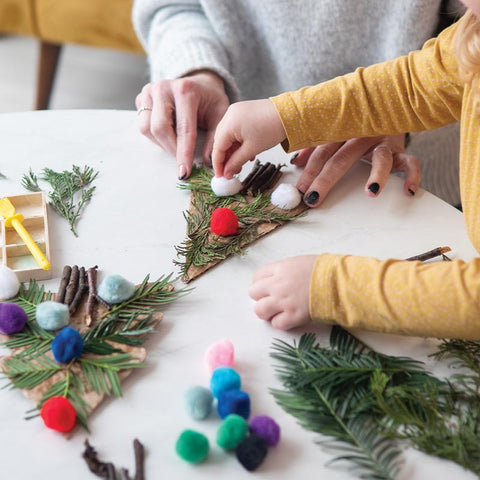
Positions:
{"x": 325, "y": 165}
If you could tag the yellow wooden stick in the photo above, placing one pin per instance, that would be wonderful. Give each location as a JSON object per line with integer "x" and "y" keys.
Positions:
{"x": 12, "y": 219}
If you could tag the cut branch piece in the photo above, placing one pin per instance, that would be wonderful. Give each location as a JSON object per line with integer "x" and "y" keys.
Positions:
{"x": 82, "y": 289}
{"x": 436, "y": 252}
{"x": 67, "y": 270}
{"x": 92, "y": 294}
{"x": 72, "y": 286}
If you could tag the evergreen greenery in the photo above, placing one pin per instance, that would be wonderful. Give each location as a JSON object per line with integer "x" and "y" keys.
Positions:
{"x": 128, "y": 323}
{"x": 199, "y": 248}
{"x": 69, "y": 193}
{"x": 370, "y": 404}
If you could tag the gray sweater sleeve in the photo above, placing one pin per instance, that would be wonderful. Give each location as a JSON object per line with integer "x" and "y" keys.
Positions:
{"x": 179, "y": 40}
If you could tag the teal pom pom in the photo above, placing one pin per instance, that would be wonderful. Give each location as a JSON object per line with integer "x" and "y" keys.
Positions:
{"x": 231, "y": 432}
{"x": 198, "y": 402}
{"x": 223, "y": 379}
{"x": 192, "y": 446}
{"x": 115, "y": 289}
{"x": 52, "y": 315}
{"x": 67, "y": 345}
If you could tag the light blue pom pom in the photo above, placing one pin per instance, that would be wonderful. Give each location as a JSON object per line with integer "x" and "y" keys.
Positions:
{"x": 52, "y": 315}
{"x": 198, "y": 402}
{"x": 223, "y": 379}
{"x": 115, "y": 289}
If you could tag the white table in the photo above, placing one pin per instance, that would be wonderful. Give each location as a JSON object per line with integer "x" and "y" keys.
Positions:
{"x": 130, "y": 228}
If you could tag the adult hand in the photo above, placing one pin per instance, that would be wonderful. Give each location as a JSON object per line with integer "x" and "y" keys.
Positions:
{"x": 282, "y": 290}
{"x": 325, "y": 165}
{"x": 178, "y": 108}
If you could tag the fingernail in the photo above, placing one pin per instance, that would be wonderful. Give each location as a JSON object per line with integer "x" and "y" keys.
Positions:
{"x": 182, "y": 172}
{"x": 312, "y": 197}
{"x": 293, "y": 157}
{"x": 411, "y": 192}
{"x": 374, "y": 187}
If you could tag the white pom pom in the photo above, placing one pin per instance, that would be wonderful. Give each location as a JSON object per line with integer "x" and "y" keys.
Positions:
{"x": 223, "y": 187}
{"x": 9, "y": 283}
{"x": 286, "y": 196}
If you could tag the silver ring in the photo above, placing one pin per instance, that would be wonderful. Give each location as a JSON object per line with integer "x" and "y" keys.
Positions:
{"x": 379, "y": 147}
{"x": 142, "y": 109}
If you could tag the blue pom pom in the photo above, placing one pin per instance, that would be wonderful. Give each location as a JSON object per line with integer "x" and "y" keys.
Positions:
{"x": 198, "y": 402}
{"x": 52, "y": 315}
{"x": 234, "y": 401}
{"x": 115, "y": 289}
{"x": 223, "y": 379}
{"x": 67, "y": 345}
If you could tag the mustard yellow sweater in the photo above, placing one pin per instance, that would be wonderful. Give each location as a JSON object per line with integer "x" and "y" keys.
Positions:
{"x": 412, "y": 93}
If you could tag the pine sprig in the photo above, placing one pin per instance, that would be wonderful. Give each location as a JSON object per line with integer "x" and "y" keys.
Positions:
{"x": 69, "y": 193}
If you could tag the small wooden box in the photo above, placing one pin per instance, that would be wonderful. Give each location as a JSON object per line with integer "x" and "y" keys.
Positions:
{"x": 14, "y": 253}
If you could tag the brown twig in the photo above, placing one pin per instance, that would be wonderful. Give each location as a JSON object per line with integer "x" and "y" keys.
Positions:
{"x": 72, "y": 286}
{"x": 272, "y": 180}
{"x": 99, "y": 299}
{"x": 436, "y": 252}
{"x": 248, "y": 178}
{"x": 139, "y": 460}
{"x": 60, "y": 297}
{"x": 256, "y": 171}
{"x": 92, "y": 294}
{"x": 82, "y": 288}
{"x": 261, "y": 178}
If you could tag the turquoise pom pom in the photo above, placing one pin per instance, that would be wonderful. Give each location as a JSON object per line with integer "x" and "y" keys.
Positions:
{"x": 115, "y": 289}
{"x": 198, "y": 402}
{"x": 52, "y": 315}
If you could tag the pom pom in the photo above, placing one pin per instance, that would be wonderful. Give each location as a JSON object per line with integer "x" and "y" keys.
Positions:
{"x": 286, "y": 196}
{"x": 224, "y": 222}
{"x": 267, "y": 428}
{"x": 12, "y": 318}
{"x": 52, "y": 315}
{"x": 9, "y": 283}
{"x": 231, "y": 432}
{"x": 198, "y": 402}
{"x": 223, "y": 187}
{"x": 58, "y": 414}
{"x": 223, "y": 379}
{"x": 192, "y": 446}
{"x": 219, "y": 354}
{"x": 251, "y": 452}
{"x": 67, "y": 345}
{"x": 115, "y": 289}
{"x": 234, "y": 401}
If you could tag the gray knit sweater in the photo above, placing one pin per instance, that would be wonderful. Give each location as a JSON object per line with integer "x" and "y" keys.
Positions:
{"x": 264, "y": 47}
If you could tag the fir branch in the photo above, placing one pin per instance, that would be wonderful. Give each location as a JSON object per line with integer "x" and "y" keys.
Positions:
{"x": 30, "y": 182}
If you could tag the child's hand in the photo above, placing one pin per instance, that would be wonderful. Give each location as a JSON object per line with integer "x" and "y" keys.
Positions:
{"x": 247, "y": 128}
{"x": 282, "y": 290}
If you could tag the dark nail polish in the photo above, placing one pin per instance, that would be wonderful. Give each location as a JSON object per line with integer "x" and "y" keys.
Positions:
{"x": 312, "y": 197}
{"x": 293, "y": 157}
{"x": 411, "y": 192}
{"x": 374, "y": 187}
{"x": 183, "y": 177}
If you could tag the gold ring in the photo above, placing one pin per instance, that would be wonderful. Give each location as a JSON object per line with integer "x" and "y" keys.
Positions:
{"x": 142, "y": 109}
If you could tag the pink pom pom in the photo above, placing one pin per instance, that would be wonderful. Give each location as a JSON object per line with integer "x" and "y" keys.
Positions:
{"x": 219, "y": 354}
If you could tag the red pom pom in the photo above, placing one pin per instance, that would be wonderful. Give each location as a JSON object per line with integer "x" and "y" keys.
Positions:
{"x": 224, "y": 222}
{"x": 58, "y": 414}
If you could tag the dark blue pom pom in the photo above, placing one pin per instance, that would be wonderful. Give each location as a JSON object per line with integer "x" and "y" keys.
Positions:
{"x": 234, "y": 401}
{"x": 251, "y": 452}
{"x": 67, "y": 345}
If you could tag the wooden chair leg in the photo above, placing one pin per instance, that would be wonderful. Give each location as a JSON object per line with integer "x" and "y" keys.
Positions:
{"x": 47, "y": 67}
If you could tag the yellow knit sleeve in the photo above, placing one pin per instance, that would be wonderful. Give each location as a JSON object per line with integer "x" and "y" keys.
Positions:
{"x": 438, "y": 299}
{"x": 420, "y": 91}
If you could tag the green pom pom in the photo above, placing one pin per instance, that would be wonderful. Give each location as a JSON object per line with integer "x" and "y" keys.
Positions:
{"x": 231, "y": 431}
{"x": 192, "y": 446}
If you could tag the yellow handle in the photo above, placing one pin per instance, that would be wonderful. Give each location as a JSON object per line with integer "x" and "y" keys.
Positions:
{"x": 15, "y": 221}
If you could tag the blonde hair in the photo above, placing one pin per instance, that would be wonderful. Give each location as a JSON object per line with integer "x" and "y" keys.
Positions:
{"x": 467, "y": 51}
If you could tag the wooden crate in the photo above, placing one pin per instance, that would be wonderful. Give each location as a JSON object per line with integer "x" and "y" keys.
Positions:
{"x": 14, "y": 253}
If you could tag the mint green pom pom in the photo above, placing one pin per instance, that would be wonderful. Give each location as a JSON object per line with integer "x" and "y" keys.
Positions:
{"x": 115, "y": 289}
{"x": 231, "y": 431}
{"x": 192, "y": 446}
{"x": 198, "y": 402}
{"x": 52, "y": 315}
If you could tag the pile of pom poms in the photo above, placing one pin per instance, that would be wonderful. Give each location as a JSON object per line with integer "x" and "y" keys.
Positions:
{"x": 224, "y": 222}
{"x": 249, "y": 439}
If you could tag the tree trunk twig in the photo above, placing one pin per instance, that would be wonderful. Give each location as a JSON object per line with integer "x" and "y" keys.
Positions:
{"x": 67, "y": 270}
{"x": 92, "y": 294}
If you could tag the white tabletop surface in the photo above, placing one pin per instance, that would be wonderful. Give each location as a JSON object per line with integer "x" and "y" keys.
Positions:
{"x": 130, "y": 228}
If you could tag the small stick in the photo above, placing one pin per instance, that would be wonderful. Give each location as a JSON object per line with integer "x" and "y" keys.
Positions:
{"x": 67, "y": 270}
{"x": 98, "y": 468}
{"x": 92, "y": 294}
{"x": 272, "y": 180}
{"x": 72, "y": 285}
{"x": 82, "y": 288}
{"x": 256, "y": 172}
{"x": 253, "y": 171}
{"x": 139, "y": 460}
{"x": 261, "y": 178}
{"x": 103, "y": 302}
{"x": 436, "y": 252}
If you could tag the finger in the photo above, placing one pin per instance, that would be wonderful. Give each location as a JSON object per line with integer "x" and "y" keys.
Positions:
{"x": 144, "y": 99}
{"x": 299, "y": 159}
{"x": 186, "y": 108}
{"x": 282, "y": 321}
{"x": 382, "y": 161}
{"x": 259, "y": 289}
{"x": 411, "y": 166}
{"x": 162, "y": 124}
{"x": 266, "y": 308}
